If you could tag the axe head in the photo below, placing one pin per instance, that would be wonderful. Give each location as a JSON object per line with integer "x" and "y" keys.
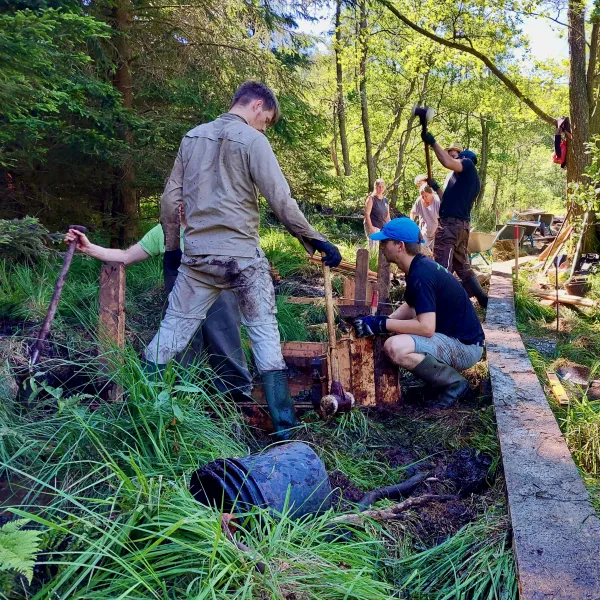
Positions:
{"x": 425, "y": 114}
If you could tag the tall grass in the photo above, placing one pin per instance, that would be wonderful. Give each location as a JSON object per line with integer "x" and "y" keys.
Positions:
{"x": 475, "y": 564}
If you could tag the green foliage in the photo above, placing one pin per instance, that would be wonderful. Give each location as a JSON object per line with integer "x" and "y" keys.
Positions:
{"x": 48, "y": 94}
{"x": 23, "y": 240}
{"x": 18, "y": 548}
{"x": 477, "y": 563}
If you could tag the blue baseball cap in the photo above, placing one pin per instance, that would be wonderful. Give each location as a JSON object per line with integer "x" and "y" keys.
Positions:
{"x": 468, "y": 154}
{"x": 399, "y": 230}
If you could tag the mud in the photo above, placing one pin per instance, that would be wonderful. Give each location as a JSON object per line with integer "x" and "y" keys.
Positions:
{"x": 345, "y": 493}
{"x": 468, "y": 470}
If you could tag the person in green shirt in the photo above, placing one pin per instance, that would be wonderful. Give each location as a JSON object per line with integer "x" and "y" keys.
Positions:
{"x": 219, "y": 335}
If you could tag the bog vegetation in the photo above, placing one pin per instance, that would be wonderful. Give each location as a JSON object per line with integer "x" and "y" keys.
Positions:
{"x": 95, "y": 96}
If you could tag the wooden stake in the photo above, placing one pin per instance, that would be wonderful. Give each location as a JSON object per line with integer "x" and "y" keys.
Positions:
{"x": 517, "y": 254}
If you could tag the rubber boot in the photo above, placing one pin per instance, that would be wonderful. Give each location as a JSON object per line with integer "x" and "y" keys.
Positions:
{"x": 153, "y": 371}
{"x": 280, "y": 403}
{"x": 447, "y": 381}
{"x": 473, "y": 288}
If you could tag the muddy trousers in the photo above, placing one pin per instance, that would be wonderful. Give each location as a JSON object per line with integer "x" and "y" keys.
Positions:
{"x": 199, "y": 283}
{"x": 450, "y": 247}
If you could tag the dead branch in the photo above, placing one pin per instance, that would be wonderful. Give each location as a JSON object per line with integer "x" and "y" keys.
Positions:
{"x": 394, "y": 512}
{"x": 259, "y": 566}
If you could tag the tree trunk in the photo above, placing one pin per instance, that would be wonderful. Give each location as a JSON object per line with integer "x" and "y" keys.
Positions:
{"x": 495, "y": 199}
{"x": 579, "y": 107}
{"x": 333, "y": 146}
{"x": 364, "y": 106}
{"x": 485, "y": 138}
{"x": 341, "y": 110}
{"x": 125, "y": 206}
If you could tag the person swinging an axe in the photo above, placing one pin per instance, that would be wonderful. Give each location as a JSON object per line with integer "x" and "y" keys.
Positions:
{"x": 452, "y": 235}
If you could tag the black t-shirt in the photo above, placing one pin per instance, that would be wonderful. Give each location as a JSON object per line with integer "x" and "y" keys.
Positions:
{"x": 430, "y": 288}
{"x": 460, "y": 193}
{"x": 379, "y": 211}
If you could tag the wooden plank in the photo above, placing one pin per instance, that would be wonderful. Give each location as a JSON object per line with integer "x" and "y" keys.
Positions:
{"x": 300, "y": 354}
{"x": 560, "y": 237}
{"x": 111, "y": 304}
{"x": 363, "y": 371}
{"x": 559, "y": 248}
{"x": 564, "y": 298}
{"x": 342, "y": 353}
{"x": 387, "y": 390}
{"x": 556, "y": 532}
{"x": 360, "y": 278}
{"x": 345, "y": 267}
{"x": 302, "y": 300}
{"x": 383, "y": 278}
{"x": 347, "y": 292}
{"x": 557, "y": 389}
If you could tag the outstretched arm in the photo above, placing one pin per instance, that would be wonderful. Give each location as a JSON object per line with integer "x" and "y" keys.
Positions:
{"x": 132, "y": 255}
{"x": 454, "y": 164}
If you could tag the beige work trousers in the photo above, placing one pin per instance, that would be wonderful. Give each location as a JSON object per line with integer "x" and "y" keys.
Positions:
{"x": 199, "y": 282}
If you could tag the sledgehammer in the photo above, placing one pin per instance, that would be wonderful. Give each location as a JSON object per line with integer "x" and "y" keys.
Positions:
{"x": 425, "y": 115}
{"x": 337, "y": 400}
{"x": 60, "y": 282}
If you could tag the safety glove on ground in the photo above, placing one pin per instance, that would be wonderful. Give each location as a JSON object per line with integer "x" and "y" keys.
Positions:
{"x": 331, "y": 255}
{"x": 370, "y": 325}
{"x": 427, "y": 138}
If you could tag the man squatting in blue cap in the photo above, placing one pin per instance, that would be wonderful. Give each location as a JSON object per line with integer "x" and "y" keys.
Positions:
{"x": 452, "y": 234}
{"x": 436, "y": 332}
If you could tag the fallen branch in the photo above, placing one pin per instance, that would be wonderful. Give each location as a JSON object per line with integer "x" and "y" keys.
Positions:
{"x": 259, "y": 566}
{"x": 394, "y": 512}
{"x": 391, "y": 491}
{"x": 564, "y": 298}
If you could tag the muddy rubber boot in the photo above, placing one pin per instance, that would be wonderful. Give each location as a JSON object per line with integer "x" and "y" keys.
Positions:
{"x": 280, "y": 403}
{"x": 153, "y": 371}
{"x": 447, "y": 381}
{"x": 474, "y": 289}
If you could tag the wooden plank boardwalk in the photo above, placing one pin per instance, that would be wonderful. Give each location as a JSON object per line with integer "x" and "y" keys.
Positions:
{"x": 556, "y": 532}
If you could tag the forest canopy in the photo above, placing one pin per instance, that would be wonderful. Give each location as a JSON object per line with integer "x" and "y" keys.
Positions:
{"x": 96, "y": 95}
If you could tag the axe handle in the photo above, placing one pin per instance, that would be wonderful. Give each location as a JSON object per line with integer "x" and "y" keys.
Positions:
{"x": 331, "y": 334}
{"x": 428, "y": 161}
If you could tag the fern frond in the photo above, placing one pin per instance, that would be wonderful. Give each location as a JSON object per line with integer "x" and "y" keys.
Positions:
{"x": 19, "y": 547}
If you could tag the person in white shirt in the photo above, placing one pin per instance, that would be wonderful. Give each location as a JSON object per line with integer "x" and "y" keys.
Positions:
{"x": 427, "y": 209}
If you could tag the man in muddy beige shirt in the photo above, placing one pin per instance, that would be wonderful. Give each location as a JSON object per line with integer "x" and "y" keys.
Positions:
{"x": 220, "y": 168}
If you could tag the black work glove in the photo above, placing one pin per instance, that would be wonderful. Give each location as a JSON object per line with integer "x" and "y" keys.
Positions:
{"x": 331, "y": 255}
{"x": 433, "y": 184}
{"x": 427, "y": 138}
{"x": 171, "y": 261}
{"x": 370, "y": 325}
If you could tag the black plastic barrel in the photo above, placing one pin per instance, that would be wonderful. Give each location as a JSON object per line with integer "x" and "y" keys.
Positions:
{"x": 287, "y": 475}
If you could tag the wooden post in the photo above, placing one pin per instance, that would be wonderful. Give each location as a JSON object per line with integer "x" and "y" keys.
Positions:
{"x": 387, "y": 390}
{"x": 517, "y": 254}
{"x": 111, "y": 322}
{"x": 112, "y": 305}
{"x": 361, "y": 276}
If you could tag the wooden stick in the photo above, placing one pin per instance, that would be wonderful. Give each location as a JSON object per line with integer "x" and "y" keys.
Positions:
{"x": 579, "y": 244}
{"x": 548, "y": 250}
{"x": 394, "y": 512}
{"x": 517, "y": 254}
{"x": 564, "y": 298}
{"x": 335, "y": 370}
